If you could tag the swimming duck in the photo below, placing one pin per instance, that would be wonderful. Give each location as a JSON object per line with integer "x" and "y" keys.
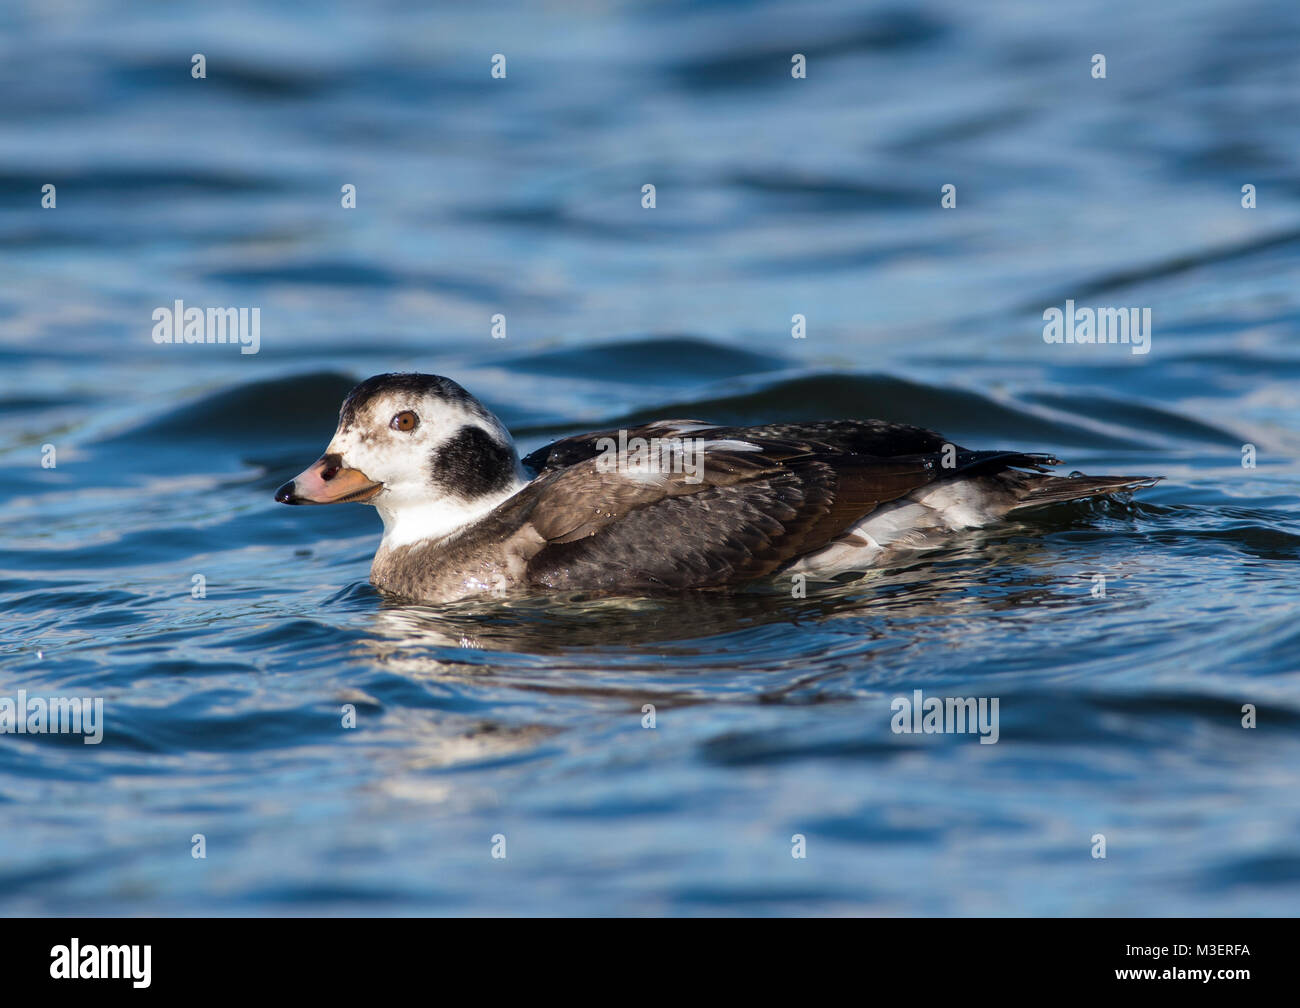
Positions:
{"x": 669, "y": 505}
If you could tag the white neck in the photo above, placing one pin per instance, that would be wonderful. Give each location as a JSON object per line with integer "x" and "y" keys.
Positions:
{"x": 411, "y": 521}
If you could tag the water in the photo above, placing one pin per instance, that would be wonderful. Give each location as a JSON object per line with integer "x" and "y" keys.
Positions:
{"x": 1120, "y": 715}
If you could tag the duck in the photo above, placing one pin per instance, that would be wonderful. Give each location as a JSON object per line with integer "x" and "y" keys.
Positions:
{"x": 666, "y": 506}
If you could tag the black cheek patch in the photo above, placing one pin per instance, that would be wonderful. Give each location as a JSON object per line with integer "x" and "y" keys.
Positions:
{"x": 472, "y": 464}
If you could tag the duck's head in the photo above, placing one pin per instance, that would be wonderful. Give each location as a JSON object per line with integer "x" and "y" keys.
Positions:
{"x": 426, "y": 453}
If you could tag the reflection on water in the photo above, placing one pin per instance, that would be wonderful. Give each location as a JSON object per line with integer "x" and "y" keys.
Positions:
{"x": 612, "y": 640}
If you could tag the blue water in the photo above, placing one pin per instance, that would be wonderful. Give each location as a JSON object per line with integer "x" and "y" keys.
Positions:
{"x": 1120, "y": 715}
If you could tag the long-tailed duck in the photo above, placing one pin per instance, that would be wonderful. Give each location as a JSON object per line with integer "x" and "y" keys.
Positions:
{"x": 670, "y": 505}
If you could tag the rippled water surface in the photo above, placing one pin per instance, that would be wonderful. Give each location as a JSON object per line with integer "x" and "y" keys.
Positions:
{"x": 1120, "y": 715}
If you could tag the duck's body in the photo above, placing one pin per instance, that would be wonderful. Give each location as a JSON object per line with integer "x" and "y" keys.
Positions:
{"x": 672, "y": 505}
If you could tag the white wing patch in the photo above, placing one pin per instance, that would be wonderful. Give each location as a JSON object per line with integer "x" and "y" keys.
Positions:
{"x": 652, "y": 460}
{"x": 923, "y": 519}
{"x": 729, "y": 444}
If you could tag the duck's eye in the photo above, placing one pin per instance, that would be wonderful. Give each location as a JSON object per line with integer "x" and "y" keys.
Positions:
{"x": 405, "y": 421}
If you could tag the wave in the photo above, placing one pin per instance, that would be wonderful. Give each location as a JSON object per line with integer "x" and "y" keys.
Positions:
{"x": 722, "y": 384}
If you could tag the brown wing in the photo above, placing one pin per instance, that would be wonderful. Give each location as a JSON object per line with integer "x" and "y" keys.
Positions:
{"x": 846, "y": 437}
{"x": 766, "y": 496}
{"x": 751, "y": 514}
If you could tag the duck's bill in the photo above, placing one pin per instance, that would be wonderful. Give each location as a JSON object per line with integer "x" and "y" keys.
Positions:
{"x": 328, "y": 481}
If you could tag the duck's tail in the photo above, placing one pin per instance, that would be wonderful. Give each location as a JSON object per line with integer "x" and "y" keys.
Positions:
{"x": 1040, "y": 489}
